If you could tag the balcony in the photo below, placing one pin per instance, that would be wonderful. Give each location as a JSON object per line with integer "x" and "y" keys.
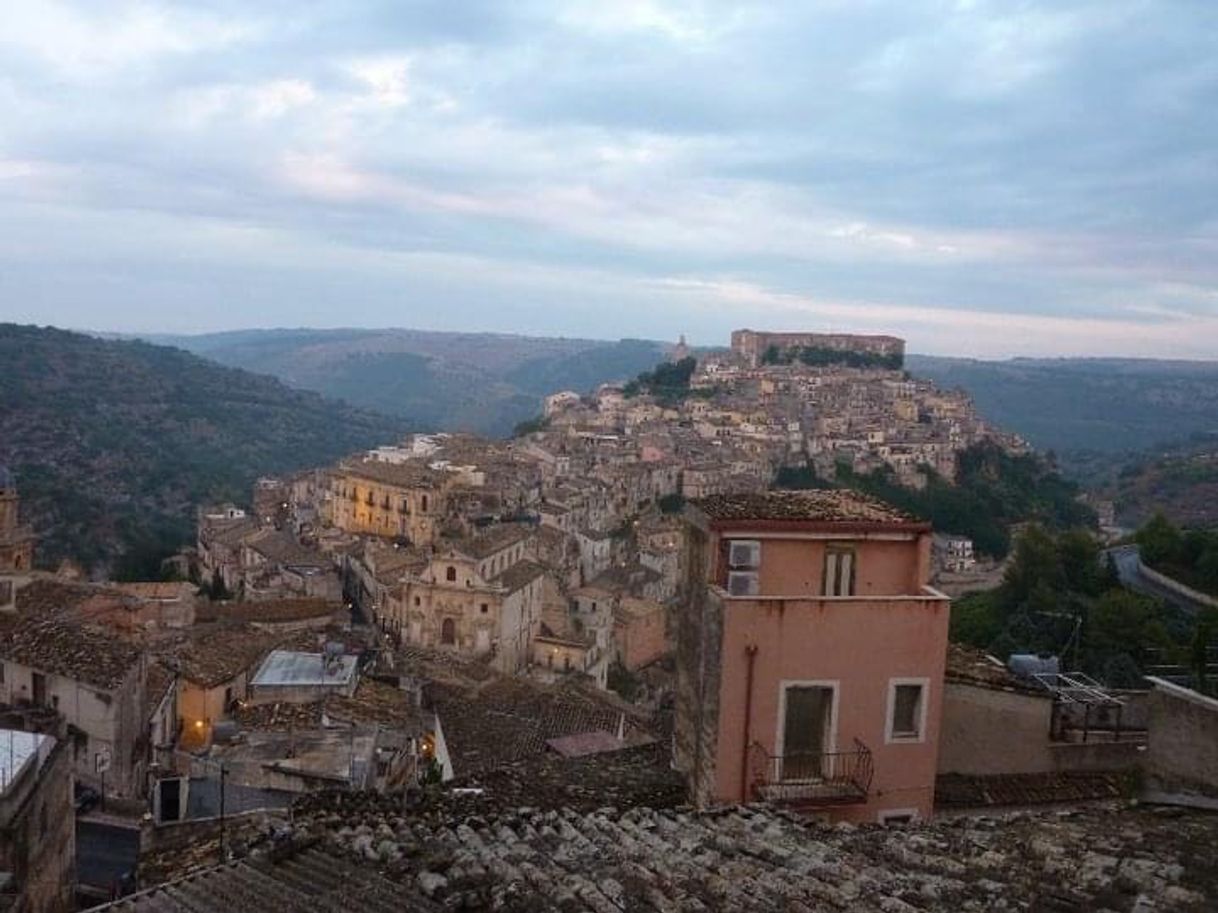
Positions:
{"x": 811, "y": 779}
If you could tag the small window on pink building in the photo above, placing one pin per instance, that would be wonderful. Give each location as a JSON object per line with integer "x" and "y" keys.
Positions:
{"x": 743, "y": 567}
{"x": 839, "y": 571}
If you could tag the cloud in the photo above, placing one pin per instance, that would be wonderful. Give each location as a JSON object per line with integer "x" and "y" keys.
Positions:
{"x": 1019, "y": 175}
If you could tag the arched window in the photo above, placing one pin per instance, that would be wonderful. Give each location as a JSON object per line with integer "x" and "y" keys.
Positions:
{"x": 448, "y": 632}
{"x": 450, "y": 574}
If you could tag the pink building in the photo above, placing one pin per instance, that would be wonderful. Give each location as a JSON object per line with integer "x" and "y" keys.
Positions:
{"x": 810, "y": 656}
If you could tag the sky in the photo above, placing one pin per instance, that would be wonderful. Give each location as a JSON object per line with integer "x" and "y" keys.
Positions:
{"x": 985, "y": 179}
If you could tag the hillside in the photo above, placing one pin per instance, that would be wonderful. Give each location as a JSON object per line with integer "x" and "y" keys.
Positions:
{"x": 482, "y": 382}
{"x": 1180, "y": 481}
{"x": 1107, "y": 405}
{"x": 115, "y": 442}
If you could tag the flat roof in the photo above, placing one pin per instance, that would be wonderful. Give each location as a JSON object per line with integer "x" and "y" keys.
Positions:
{"x": 19, "y": 750}
{"x": 818, "y": 506}
{"x": 287, "y": 667}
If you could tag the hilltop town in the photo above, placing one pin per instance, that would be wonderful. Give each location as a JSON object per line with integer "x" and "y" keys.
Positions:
{"x": 457, "y": 671}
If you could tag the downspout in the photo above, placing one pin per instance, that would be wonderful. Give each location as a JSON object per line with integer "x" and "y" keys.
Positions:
{"x": 750, "y": 654}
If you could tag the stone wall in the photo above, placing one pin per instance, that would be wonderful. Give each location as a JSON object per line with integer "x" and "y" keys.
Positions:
{"x": 1181, "y": 760}
{"x": 990, "y": 731}
{"x": 699, "y": 648}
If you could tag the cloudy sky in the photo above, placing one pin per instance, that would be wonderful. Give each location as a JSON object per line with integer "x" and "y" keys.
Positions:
{"x": 983, "y": 178}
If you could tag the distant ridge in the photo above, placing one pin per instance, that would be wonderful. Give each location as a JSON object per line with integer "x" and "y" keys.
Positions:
{"x": 482, "y": 382}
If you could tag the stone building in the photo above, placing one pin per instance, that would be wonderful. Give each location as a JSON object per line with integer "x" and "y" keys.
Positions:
{"x": 404, "y": 500}
{"x": 95, "y": 681}
{"x": 16, "y": 540}
{"x": 810, "y": 656}
{"x": 479, "y": 597}
{"x": 752, "y": 345}
{"x": 16, "y": 544}
{"x": 37, "y": 824}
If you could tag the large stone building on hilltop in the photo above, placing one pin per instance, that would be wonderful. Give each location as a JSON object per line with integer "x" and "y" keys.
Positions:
{"x": 752, "y": 345}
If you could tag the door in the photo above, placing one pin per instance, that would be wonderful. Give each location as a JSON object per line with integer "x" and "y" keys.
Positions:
{"x": 806, "y": 731}
{"x": 40, "y": 689}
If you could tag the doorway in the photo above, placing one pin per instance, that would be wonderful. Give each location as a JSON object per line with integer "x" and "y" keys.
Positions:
{"x": 809, "y": 711}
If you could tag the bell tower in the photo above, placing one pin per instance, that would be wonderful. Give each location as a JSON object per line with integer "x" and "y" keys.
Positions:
{"x": 16, "y": 541}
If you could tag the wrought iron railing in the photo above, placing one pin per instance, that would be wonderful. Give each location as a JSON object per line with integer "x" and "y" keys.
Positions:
{"x": 830, "y": 776}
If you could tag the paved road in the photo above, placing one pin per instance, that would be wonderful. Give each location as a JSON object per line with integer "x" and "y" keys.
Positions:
{"x": 1129, "y": 569}
{"x": 105, "y": 852}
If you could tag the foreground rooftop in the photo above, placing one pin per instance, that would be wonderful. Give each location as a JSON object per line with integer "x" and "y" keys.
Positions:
{"x": 466, "y": 856}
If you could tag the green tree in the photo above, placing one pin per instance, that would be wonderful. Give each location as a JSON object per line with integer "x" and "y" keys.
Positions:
{"x": 1160, "y": 542}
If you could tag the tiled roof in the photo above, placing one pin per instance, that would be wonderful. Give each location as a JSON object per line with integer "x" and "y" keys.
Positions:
{"x": 1017, "y": 790}
{"x": 509, "y": 719}
{"x": 519, "y": 575}
{"x": 467, "y": 855}
{"x": 823, "y": 506}
{"x": 74, "y": 651}
{"x": 314, "y": 881}
{"x": 496, "y": 538}
{"x": 272, "y": 611}
{"x": 413, "y": 474}
{"x": 282, "y": 548}
{"x": 220, "y": 653}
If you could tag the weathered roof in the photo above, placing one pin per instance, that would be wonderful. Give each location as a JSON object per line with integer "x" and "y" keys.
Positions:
{"x": 468, "y": 855}
{"x": 509, "y": 718}
{"x": 496, "y": 538}
{"x": 273, "y": 611}
{"x": 313, "y": 881}
{"x": 519, "y": 575}
{"x": 78, "y": 652}
{"x": 410, "y": 474}
{"x": 282, "y": 548}
{"x": 821, "y": 506}
{"x": 1021, "y": 790}
{"x": 217, "y": 654}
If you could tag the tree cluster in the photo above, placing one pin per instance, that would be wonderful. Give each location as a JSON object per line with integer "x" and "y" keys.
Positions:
{"x": 1060, "y": 596}
{"x": 669, "y": 380}
{"x": 1190, "y": 556}
{"x": 820, "y": 357}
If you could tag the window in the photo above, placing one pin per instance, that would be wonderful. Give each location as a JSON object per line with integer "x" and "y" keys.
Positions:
{"x": 485, "y": 608}
{"x": 424, "y": 503}
{"x": 418, "y": 601}
{"x": 743, "y": 564}
{"x": 450, "y": 574}
{"x": 898, "y": 816}
{"x": 906, "y": 710}
{"x": 839, "y": 571}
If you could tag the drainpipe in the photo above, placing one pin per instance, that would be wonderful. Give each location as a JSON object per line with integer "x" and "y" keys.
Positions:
{"x": 750, "y": 654}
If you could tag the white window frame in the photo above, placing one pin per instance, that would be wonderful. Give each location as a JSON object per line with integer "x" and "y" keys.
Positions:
{"x": 748, "y": 572}
{"x": 834, "y": 554}
{"x": 834, "y": 684}
{"x": 886, "y": 815}
{"x": 893, "y": 739}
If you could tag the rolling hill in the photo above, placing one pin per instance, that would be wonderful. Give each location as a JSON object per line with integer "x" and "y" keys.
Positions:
{"x": 1111, "y": 406}
{"x": 483, "y": 382}
{"x": 115, "y": 442}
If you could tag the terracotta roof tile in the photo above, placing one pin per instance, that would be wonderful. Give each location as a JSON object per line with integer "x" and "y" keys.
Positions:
{"x": 824, "y": 506}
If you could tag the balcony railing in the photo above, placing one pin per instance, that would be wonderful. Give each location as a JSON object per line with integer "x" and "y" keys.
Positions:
{"x": 811, "y": 778}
